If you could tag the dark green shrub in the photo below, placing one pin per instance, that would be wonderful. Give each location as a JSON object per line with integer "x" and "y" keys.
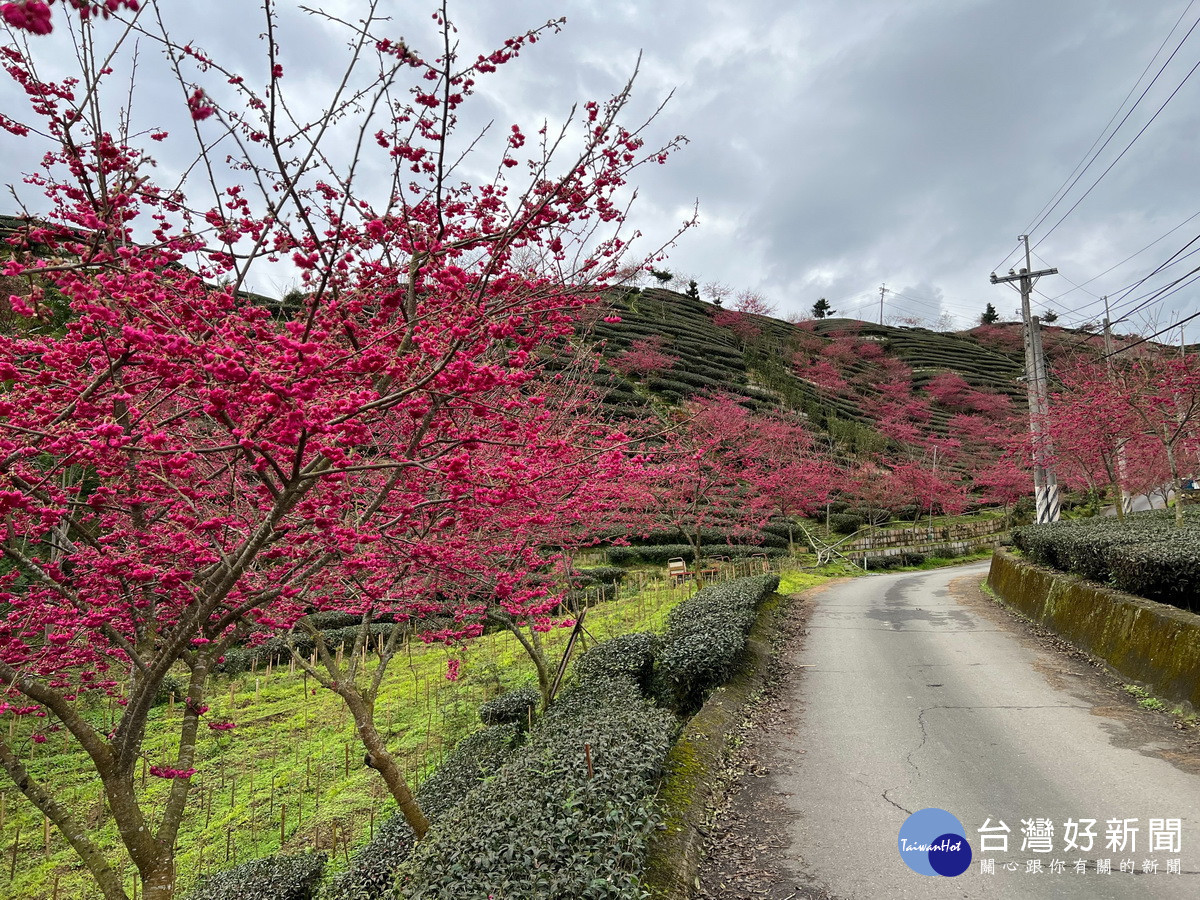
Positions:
{"x": 373, "y": 869}
{"x": 709, "y": 537}
{"x": 845, "y": 523}
{"x": 912, "y": 559}
{"x": 1167, "y": 571}
{"x": 542, "y": 827}
{"x": 705, "y": 637}
{"x": 272, "y": 878}
{"x": 600, "y": 575}
{"x": 477, "y": 756}
{"x": 513, "y": 708}
{"x": 171, "y": 686}
{"x": 668, "y": 551}
{"x": 626, "y": 656}
{"x": 1144, "y": 555}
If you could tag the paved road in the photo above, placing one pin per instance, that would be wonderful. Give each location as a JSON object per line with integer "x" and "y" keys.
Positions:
{"x": 913, "y": 697}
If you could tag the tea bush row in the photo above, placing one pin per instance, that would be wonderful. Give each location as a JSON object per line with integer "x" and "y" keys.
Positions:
{"x": 547, "y": 824}
{"x": 1143, "y": 555}
{"x": 661, "y": 554}
{"x": 705, "y": 637}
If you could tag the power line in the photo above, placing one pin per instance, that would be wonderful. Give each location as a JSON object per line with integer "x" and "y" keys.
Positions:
{"x": 1142, "y": 131}
{"x": 1126, "y": 290}
{"x": 1044, "y": 215}
{"x": 1077, "y": 172}
{"x": 1125, "y": 260}
{"x": 1144, "y": 340}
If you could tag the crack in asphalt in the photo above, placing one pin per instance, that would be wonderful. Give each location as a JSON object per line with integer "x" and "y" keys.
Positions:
{"x": 894, "y": 803}
{"x": 925, "y": 736}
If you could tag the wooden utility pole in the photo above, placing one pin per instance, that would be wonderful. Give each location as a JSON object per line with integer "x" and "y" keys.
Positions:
{"x": 1045, "y": 484}
{"x": 1126, "y": 500}
{"x": 882, "y": 290}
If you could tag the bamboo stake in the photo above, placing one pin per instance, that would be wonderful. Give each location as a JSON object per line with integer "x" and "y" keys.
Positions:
{"x": 12, "y": 869}
{"x": 282, "y": 823}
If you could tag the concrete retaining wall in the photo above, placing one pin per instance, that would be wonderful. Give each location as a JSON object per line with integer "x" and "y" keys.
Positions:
{"x": 949, "y": 540}
{"x": 1150, "y": 643}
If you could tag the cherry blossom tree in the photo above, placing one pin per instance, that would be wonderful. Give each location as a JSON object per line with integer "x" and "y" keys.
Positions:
{"x": 705, "y": 469}
{"x": 184, "y": 465}
{"x": 645, "y": 356}
{"x": 1154, "y": 396}
{"x": 795, "y": 478}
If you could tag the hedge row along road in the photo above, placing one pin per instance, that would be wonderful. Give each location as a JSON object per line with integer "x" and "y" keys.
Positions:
{"x": 916, "y": 690}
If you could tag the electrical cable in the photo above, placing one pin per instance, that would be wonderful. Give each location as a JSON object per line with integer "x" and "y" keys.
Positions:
{"x": 1142, "y": 131}
{"x": 1044, "y": 215}
{"x": 1073, "y": 178}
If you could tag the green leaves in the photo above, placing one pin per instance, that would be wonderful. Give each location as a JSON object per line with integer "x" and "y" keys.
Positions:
{"x": 1143, "y": 555}
{"x": 548, "y": 826}
{"x": 272, "y": 878}
{"x": 705, "y": 637}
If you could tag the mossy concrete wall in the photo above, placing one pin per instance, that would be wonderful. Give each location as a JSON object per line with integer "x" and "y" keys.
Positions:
{"x": 1150, "y": 643}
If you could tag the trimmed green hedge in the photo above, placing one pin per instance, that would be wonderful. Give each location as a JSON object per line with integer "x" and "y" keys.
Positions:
{"x": 546, "y": 827}
{"x": 845, "y": 523}
{"x": 1144, "y": 554}
{"x": 669, "y": 551}
{"x": 630, "y": 656}
{"x": 599, "y": 575}
{"x": 272, "y": 878}
{"x": 708, "y": 537}
{"x": 512, "y": 708}
{"x": 373, "y": 870}
{"x": 705, "y": 637}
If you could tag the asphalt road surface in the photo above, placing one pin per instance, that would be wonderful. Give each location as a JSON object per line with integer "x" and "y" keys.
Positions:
{"x": 912, "y": 694}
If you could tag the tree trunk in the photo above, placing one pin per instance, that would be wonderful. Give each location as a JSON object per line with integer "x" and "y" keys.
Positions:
{"x": 159, "y": 884}
{"x": 383, "y": 762}
{"x": 1175, "y": 482}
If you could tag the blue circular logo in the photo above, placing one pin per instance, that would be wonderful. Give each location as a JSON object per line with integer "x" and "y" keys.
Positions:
{"x": 933, "y": 842}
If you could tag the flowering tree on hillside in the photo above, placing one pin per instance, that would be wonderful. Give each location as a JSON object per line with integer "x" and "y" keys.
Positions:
{"x": 181, "y": 466}
{"x": 1153, "y": 397}
{"x": 704, "y": 470}
{"x": 645, "y": 356}
{"x": 795, "y": 478}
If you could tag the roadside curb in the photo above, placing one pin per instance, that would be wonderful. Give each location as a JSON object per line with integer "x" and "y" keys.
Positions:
{"x": 696, "y": 768}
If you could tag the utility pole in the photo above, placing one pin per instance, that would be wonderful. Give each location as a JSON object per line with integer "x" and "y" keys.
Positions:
{"x": 882, "y": 290}
{"x": 1045, "y": 484}
{"x": 1122, "y": 477}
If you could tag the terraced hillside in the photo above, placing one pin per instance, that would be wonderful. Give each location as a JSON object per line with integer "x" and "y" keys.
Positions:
{"x": 845, "y": 376}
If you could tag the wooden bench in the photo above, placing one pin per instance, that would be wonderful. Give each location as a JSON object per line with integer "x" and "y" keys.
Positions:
{"x": 677, "y": 568}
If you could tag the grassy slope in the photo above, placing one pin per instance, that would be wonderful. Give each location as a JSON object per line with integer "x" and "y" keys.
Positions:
{"x": 290, "y": 747}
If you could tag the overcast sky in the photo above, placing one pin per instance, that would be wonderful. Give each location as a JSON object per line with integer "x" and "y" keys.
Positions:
{"x": 837, "y": 145}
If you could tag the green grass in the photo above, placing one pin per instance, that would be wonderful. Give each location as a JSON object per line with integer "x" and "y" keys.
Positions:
{"x": 792, "y": 581}
{"x": 292, "y": 746}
